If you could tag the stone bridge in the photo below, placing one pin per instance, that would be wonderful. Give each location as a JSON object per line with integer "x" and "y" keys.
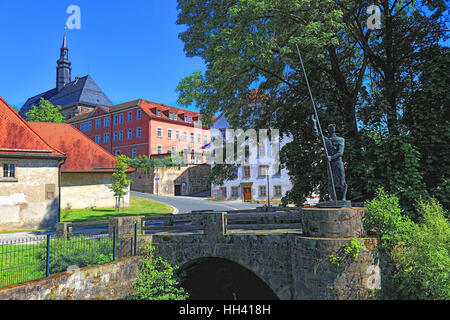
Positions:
{"x": 270, "y": 255}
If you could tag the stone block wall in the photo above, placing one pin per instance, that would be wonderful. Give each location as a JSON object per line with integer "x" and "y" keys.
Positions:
{"x": 31, "y": 201}
{"x": 191, "y": 179}
{"x": 110, "y": 281}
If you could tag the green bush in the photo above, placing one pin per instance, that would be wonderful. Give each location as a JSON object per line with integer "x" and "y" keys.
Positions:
{"x": 420, "y": 251}
{"x": 156, "y": 279}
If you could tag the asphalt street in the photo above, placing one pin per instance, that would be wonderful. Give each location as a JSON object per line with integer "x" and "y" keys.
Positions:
{"x": 186, "y": 204}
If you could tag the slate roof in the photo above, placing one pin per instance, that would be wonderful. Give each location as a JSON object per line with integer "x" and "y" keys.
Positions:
{"x": 83, "y": 154}
{"x": 18, "y": 138}
{"x": 81, "y": 91}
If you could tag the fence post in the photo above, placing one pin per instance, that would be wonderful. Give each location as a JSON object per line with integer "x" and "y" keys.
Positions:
{"x": 114, "y": 242}
{"x": 47, "y": 262}
{"x": 135, "y": 239}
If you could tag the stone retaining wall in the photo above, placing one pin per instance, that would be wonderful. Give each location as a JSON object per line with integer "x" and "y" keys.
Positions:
{"x": 110, "y": 281}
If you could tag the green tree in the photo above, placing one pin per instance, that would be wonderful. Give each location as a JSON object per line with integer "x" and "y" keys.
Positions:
{"x": 156, "y": 279}
{"x": 119, "y": 178}
{"x": 46, "y": 112}
{"x": 361, "y": 80}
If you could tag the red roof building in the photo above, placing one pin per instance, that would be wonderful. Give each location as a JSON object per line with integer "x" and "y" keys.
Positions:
{"x": 141, "y": 127}
{"x": 86, "y": 175}
{"x": 83, "y": 154}
{"x": 29, "y": 175}
{"x": 19, "y": 139}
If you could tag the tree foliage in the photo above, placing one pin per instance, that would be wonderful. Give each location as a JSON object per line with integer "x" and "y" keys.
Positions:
{"x": 420, "y": 251}
{"x": 368, "y": 82}
{"x": 119, "y": 178}
{"x": 156, "y": 279}
{"x": 45, "y": 112}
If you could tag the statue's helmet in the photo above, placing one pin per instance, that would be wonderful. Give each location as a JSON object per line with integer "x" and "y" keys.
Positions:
{"x": 331, "y": 128}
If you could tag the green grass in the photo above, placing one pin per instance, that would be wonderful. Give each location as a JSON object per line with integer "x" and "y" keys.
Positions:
{"x": 27, "y": 261}
{"x": 138, "y": 206}
{"x": 20, "y": 263}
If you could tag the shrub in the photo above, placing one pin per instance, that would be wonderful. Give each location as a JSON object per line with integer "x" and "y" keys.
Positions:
{"x": 156, "y": 279}
{"x": 79, "y": 251}
{"x": 420, "y": 251}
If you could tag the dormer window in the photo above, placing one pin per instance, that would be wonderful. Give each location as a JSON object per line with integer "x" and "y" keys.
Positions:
{"x": 158, "y": 113}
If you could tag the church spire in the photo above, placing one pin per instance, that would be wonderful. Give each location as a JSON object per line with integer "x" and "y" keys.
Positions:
{"x": 63, "y": 69}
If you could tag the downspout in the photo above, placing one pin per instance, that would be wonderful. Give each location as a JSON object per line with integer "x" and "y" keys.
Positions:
{"x": 59, "y": 189}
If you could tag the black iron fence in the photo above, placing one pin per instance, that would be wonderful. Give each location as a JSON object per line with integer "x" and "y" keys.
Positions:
{"x": 38, "y": 257}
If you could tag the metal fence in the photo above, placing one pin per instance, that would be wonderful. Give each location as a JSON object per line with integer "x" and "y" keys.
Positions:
{"x": 38, "y": 257}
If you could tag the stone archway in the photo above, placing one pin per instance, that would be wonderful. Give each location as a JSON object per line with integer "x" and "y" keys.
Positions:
{"x": 213, "y": 278}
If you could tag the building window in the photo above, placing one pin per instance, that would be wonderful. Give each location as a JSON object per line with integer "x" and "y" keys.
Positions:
{"x": 185, "y": 136}
{"x": 277, "y": 191}
{"x": 130, "y": 134}
{"x": 205, "y": 139}
{"x": 121, "y": 118}
{"x": 159, "y": 132}
{"x": 246, "y": 172}
{"x": 89, "y": 125}
{"x": 158, "y": 113}
{"x": 138, "y": 114}
{"x": 261, "y": 150}
{"x": 130, "y": 116}
{"x": 115, "y": 137}
{"x": 177, "y": 135}
{"x": 138, "y": 132}
{"x": 174, "y": 149}
{"x": 133, "y": 153}
{"x": 199, "y": 138}
{"x": 9, "y": 170}
{"x": 275, "y": 148}
{"x": 98, "y": 139}
{"x": 262, "y": 171}
{"x": 116, "y": 119}
{"x": 159, "y": 149}
{"x": 171, "y": 115}
{"x": 175, "y": 117}
{"x": 169, "y": 134}
{"x": 106, "y": 122}
{"x": 262, "y": 191}
{"x": 121, "y": 135}
{"x": 234, "y": 191}
{"x": 98, "y": 123}
{"x": 192, "y": 137}
{"x": 106, "y": 138}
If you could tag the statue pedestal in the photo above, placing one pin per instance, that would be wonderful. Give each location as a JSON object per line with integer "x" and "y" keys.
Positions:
{"x": 335, "y": 204}
{"x": 333, "y": 222}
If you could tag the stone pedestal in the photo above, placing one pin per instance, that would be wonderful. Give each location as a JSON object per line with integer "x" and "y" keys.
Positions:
{"x": 333, "y": 222}
{"x": 63, "y": 229}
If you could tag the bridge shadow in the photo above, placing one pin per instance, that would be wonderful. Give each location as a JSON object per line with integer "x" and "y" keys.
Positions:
{"x": 214, "y": 278}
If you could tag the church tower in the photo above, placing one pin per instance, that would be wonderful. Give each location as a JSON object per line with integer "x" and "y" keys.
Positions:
{"x": 63, "y": 69}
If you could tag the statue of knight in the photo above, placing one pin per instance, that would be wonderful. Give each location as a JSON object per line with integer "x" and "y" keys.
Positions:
{"x": 335, "y": 150}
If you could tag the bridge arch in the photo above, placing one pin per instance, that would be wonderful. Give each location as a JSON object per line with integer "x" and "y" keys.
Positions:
{"x": 218, "y": 278}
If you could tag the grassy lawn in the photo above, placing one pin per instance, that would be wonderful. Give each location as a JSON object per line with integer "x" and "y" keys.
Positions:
{"x": 138, "y": 206}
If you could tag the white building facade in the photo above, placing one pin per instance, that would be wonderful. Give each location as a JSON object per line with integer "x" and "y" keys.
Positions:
{"x": 259, "y": 178}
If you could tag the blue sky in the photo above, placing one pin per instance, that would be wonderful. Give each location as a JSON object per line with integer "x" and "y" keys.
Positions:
{"x": 131, "y": 48}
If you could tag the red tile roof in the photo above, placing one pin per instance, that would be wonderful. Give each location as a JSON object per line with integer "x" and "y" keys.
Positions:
{"x": 83, "y": 154}
{"x": 17, "y": 137}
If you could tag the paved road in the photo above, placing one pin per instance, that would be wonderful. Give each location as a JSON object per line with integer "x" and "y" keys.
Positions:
{"x": 185, "y": 204}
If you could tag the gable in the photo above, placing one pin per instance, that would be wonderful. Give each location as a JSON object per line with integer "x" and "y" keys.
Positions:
{"x": 18, "y": 137}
